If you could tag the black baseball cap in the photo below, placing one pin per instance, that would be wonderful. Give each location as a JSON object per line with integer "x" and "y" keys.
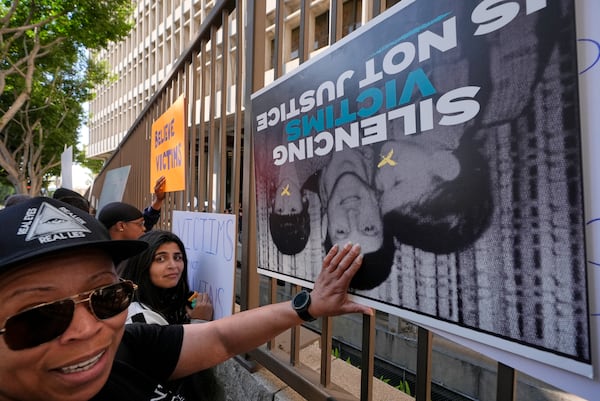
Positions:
{"x": 114, "y": 212}
{"x": 61, "y": 193}
{"x": 42, "y": 226}
{"x": 73, "y": 198}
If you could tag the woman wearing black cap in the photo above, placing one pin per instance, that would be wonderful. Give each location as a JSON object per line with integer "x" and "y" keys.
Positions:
{"x": 63, "y": 309}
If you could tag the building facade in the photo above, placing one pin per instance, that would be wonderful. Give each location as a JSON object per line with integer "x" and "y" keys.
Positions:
{"x": 163, "y": 30}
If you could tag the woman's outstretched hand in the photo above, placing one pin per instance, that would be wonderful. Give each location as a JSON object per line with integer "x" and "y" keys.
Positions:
{"x": 329, "y": 296}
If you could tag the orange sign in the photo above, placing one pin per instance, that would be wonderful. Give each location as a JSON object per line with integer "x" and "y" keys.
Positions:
{"x": 167, "y": 151}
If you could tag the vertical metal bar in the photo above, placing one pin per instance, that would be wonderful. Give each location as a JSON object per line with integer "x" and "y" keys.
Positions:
{"x": 177, "y": 89}
{"x": 249, "y": 285}
{"x": 181, "y": 83}
{"x": 335, "y": 21}
{"x": 303, "y": 49}
{"x": 423, "y": 390}
{"x": 355, "y": 15}
{"x": 367, "y": 361}
{"x": 279, "y": 11}
{"x": 295, "y": 338}
{"x": 506, "y": 389}
{"x": 377, "y": 7}
{"x": 190, "y": 128}
{"x": 222, "y": 197}
{"x": 273, "y": 295}
{"x": 194, "y": 155}
{"x": 211, "y": 166}
{"x": 202, "y": 129}
{"x": 255, "y": 77}
{"x": 326, "y": 346}
{"x": 236, "y": 166}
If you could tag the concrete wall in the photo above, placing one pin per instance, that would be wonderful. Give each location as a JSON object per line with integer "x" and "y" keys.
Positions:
{"x": 241, "y": 385}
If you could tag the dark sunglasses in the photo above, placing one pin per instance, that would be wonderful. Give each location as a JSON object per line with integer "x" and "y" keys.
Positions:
{"x": 45, "y": 322}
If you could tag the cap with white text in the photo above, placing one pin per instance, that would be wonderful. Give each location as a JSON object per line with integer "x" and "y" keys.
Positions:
{"x": 43, "y": 226}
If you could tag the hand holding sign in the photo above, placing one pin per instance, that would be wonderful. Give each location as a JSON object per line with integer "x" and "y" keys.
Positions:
{"x": 160, "y": 187}
{"x": 201, "y": 306}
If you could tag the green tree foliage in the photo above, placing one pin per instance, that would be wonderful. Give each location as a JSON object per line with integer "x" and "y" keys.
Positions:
{"x": 45, "y": 77}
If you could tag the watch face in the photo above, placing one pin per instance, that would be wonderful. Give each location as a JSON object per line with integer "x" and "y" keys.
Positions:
{"x": 301, "y": 299}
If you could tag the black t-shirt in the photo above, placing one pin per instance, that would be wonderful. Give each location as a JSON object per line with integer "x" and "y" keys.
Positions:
{"x": 147, "y": 356}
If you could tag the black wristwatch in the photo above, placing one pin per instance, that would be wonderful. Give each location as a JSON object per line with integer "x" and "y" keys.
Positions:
{"x": 300, "y": 303}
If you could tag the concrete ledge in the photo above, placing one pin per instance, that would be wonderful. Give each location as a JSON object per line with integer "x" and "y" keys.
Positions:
{"x": 262, "y": 385}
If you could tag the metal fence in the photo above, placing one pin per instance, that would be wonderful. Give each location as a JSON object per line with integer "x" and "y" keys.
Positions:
{"x": 239, "y": 45}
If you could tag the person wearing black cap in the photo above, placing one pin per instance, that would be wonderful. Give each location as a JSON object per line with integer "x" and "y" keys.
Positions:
{"x": 15, "y": 198}
{"x": 125, "y": 221}
{"x": 122, "y": 220}
{"x": 63, "y": 311}
{"x": 74, "y": 198}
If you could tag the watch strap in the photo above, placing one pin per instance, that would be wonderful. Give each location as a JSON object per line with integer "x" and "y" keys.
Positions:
{"x": 303, "y": 311}
{"x": 304, "y": 315}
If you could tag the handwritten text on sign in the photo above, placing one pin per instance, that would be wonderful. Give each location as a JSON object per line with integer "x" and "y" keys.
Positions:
{"x": 167, "y": 150}
{"x": 210, "y": 243}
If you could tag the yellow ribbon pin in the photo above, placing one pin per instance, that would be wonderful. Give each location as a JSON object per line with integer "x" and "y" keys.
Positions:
{"x": 387, "y": 159}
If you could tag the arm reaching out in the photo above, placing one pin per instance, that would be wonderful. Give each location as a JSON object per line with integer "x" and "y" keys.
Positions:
{"x": 205, "y": 345}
